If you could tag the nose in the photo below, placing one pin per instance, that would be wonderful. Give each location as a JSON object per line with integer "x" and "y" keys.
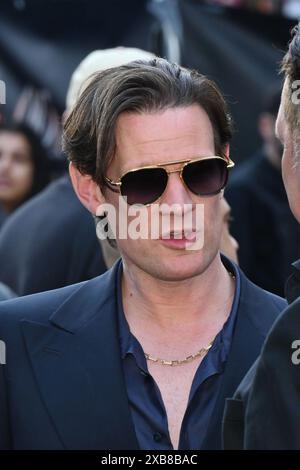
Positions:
{"x": 176, "y": 192}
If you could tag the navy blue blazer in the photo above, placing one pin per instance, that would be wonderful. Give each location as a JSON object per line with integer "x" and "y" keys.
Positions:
{"x": 62, "y": 386}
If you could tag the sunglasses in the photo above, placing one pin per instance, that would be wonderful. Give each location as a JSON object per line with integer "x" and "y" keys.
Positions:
{"x": 205, "y": 176}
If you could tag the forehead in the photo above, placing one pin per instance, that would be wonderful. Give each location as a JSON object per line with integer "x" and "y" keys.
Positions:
{"x": 172, "y": 134}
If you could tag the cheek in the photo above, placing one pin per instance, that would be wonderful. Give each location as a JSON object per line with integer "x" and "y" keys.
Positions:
{"x": 213, "y": 217}
{"x": 213, "y": 223}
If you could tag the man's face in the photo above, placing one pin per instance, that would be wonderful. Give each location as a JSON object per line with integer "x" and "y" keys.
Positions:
{"x": 167, "y": 136}
{"x": 290, "y": 163}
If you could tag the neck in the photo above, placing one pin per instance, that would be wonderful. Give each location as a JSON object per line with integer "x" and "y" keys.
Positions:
{"x": 188, "y": 305}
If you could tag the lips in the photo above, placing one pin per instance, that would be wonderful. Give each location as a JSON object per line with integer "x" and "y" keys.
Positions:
{"x": 180, "y": 240}
{"x": 178, "y": 244}
{"x": 179, "y": 235}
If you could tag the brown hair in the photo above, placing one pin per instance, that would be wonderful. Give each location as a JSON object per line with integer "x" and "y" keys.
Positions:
{"x": 141, "y": 87}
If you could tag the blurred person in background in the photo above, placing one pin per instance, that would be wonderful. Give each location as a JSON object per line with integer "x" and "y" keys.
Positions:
{"x": 24, "y": 167}
{"x": 263, "y": 223}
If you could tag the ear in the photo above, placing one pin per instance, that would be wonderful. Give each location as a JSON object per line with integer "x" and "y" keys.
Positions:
{"x": 87, "y": 191}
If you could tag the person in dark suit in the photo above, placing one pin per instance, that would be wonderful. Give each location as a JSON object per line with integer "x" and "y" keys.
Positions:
{"x": 143, "y": 356}
{"x": 264, "y": 412}
{"x": 49, "y": 242}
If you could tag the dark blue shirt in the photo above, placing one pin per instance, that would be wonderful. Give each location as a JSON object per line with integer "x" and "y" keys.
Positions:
{"x": 145, "y": 400}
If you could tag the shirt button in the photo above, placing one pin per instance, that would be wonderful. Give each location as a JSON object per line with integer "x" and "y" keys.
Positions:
{"x": 157, "y": 437}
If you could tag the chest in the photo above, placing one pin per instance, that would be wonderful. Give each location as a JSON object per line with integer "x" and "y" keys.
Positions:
{"x": 174, "y": 384}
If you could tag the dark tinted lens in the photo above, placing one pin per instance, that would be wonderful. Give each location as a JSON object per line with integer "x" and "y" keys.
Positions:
{"x": 144, "y": 186}
{"x": 206, "y": 177}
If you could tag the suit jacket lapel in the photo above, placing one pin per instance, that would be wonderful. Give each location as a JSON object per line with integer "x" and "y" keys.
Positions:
{"x": 77, "y": 364}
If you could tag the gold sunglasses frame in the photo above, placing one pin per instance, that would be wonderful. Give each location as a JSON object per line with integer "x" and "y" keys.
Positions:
{"x": 184, "y": 163}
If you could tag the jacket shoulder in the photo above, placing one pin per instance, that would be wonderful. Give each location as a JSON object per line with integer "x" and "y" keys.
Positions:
{"x": 35, "y": 307}
{"x": 74, "y": 303}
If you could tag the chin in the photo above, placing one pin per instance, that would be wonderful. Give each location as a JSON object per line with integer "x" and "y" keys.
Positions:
{"x": 177, "y": 268}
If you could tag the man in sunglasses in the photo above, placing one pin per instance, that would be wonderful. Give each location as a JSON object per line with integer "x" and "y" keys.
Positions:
{"x": 143, "y": 356}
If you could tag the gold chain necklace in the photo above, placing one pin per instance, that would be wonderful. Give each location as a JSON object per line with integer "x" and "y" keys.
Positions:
{"x": 190, "y": 358}
{"x": 181, "y": 361}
